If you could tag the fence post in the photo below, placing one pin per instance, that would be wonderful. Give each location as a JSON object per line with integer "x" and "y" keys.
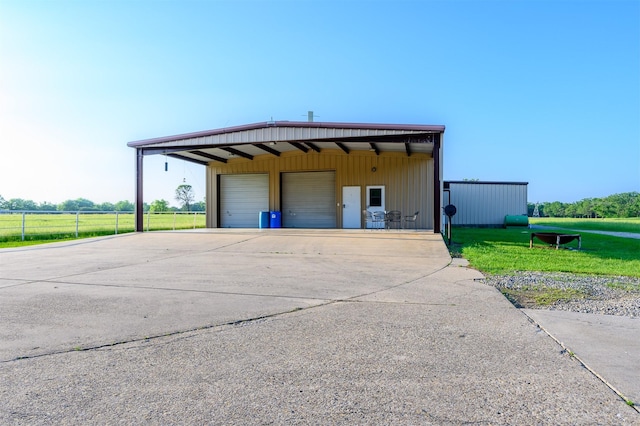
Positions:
{"x": 77, "y": 220}
{"x": 23, "y": 224}
{"x": 174, "y": 220}
{"x": 195, "y": 217}
{"x": 116, "y": 223}
{"x": 148, "y": 218}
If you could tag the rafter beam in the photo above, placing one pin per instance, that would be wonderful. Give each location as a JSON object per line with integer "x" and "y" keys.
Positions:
{"x": 192, "y": 160}
{"x": 238, "y": 153}
{"x": 300, "y": 146}
{"x": 374, "y": 147}
{"x": 209, "y": 156}
{"x": 312, "y": 146}
{"x": 342, "y": 147}
{"x": 267, "y": 149}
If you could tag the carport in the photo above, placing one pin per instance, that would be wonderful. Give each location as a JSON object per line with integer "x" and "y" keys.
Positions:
{"x": 317, "y": 174}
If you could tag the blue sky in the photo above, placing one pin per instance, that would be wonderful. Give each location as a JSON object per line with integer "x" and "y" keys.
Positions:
{"x": 545, "y": 92}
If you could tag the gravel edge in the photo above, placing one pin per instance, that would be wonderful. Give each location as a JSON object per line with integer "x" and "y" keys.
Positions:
{"x": 608, "y": 295}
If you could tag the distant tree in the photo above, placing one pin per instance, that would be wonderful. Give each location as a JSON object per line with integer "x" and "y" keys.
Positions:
{"x": 106, "y": 207}
{"x": 47, "y": 207}
{"x": 554, "y": 209}
{"x": 200, "y": 206}
{"x": 159, "y": 206}
{"x": 2, "y": 201}
{"x": 184, "y": 195}
{"x": 617, "y": 205}
{"x": 20, "y": 204}
{"x": 85, "y": 205}
{"x": 625, "y": 205}
{"x": 584, "y": 208}
{"x": 76, "y": 205}
{"x": 68, "y": 206}
{"x": 124, "y": 206}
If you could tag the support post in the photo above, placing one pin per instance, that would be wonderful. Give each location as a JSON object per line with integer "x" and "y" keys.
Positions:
{"x": 139, "y": 208}
{"x": 437, "y": 193}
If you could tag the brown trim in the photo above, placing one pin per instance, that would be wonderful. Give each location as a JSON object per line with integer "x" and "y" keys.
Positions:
{"x": 437, "y": 196}
{"x": 295, "y": 124}
{"x": 486, "y": 182}
{"x": 139, "y": 207}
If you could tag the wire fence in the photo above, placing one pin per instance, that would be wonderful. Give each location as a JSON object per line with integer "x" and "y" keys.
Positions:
{"x": 39, "y": 225}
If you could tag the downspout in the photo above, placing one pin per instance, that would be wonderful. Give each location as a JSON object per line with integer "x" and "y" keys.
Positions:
{"x": 437, "y": 195}
{"x": 139, "y": 208}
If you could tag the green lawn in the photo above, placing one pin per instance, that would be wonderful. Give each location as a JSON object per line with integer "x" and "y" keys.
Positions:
{"x": 613, "y": 225}
{"x": 43, "y": 228}
{"x": 503, "y": 251}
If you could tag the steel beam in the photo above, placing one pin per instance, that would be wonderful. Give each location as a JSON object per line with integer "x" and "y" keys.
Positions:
{"x": 238, "y": 153}
{"x": 300, "y": 146}
{"x": 139, "y": 207}
{"x": 267, "y": 149}
{"x": 209, "y": 156}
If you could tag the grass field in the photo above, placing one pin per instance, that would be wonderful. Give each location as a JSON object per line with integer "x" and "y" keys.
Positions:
{"x": 41, "y": 228}
{"x": 503, "y": 251}
{"x": 611, "y": 225}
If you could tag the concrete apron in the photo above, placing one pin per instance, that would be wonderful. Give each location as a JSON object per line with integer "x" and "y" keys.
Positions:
{"x": 276, "y": 326}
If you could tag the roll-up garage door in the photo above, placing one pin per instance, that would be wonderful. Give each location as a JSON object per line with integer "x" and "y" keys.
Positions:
{"x": 309, "y": 200}
{"x": 242, "y": 198}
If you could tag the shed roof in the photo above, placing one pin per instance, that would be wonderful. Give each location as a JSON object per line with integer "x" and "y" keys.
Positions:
{"x": 276, "y": 137}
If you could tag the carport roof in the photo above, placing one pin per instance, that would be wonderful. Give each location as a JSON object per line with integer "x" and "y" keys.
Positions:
{"x": 276, "y": 137}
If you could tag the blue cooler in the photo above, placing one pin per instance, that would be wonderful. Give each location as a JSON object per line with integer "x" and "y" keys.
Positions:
{"x": 263, "y": 221}
{"x": 276, "y": 220}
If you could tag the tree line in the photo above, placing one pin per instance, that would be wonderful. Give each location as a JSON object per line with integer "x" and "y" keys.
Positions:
{"x": 184, "y": 195}
{"x": 626, "y": 204}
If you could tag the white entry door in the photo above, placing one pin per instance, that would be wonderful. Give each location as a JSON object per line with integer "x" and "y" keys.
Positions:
{"x": 351, "y": 207}
{"x": 375, "y": 200}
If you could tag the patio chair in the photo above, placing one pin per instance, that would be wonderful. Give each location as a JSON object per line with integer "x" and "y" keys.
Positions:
{"x": 368, "y": 219}
{"x": 394, "y": 218}
{"x": 411, "y": 219}
{"x": 380, "y": 219}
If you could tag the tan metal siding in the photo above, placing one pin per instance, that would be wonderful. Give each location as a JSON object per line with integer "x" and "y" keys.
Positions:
{"x": 487, "y": 204}
{"x": 408, "y": 180}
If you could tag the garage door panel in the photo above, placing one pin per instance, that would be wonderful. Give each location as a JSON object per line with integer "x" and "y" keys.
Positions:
{"x": 242, "y": 197}
{"x": 308, "y": 200}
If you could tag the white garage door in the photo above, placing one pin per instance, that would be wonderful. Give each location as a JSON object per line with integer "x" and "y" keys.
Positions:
{"x": 309, "y": 200}
{"x": 242, "y": 198}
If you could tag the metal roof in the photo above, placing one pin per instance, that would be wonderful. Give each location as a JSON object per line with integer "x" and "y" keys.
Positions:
{"x": 276, "y": 137}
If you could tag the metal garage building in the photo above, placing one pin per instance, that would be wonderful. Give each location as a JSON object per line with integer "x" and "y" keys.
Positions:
{"x": 316, "y": 174}
{"x": 481, "y": 203}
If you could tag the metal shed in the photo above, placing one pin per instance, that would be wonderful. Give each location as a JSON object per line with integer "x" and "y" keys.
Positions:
{"x": 317, "y": 174}
{"x": 481, "y": 203}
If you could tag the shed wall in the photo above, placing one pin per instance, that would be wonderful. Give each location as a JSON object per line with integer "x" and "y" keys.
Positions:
{"x": 408, "y": 179}
{"x": 486, "y": 204}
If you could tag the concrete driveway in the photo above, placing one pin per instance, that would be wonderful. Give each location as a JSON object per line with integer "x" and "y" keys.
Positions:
{"x": 276, "y": 326}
